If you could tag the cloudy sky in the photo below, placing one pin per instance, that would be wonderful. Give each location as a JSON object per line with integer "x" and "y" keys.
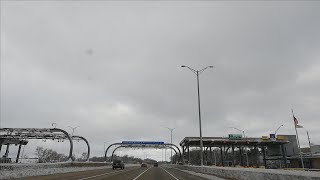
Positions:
{"x": 113, "y": 68}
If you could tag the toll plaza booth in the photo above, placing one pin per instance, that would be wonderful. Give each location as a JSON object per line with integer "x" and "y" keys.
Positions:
{"x": 236, "y": 150}
{"x": 8, "y": 142}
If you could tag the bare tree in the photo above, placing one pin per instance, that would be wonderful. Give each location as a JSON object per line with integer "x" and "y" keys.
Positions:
{"x": 49, "y": 155}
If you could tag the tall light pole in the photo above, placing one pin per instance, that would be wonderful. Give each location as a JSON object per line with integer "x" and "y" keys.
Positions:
{"x": 244, "y": 135}
{"x": 171, "y": 129}
{"x": 277, "y": 130}
{"x": 54, "y": 124}
{"x": 198, "y": 73}
{"x": 73, "y": 129}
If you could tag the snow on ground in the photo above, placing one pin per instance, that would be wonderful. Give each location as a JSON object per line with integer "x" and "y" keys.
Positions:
{"x": 8, "y": 174}
{"x": 252, "y": 173}
{"x": 207, "y": 176}
{"x": 24, "y": 170}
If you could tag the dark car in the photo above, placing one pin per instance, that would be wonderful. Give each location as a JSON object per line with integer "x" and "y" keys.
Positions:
{"x": 143, "y": 165}
{"x": 155, "y": 164}
{"x": 117, "y": 164}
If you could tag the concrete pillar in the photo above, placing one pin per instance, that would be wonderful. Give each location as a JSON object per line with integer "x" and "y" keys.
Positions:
{"x": 233, "y": 157}
{"x": 256, "y": 150}
{"x": 211, "y": 158}
{"x": 183, "y": 154}
{"x": 222, "y": 161}
{"x": 206, "y": 155}
{"x": 284, "y": 158}
{"x": 7, "y": 151}
{"x": 264, "y": 157}
{"x": 240, "y": 153}
{"x": 189, "y": 154}
{"x": 17, "y": 159}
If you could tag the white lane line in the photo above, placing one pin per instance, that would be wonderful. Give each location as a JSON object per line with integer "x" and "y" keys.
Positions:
{"x": 141, "y": 173}
{"x": 169, "y": 173}
{"x": 98, "y": 175}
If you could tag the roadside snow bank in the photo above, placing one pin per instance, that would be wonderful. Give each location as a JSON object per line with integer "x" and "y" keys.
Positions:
{"x": 9, "y": 171}
{"x": 14, "y": 166}
{"x": 251, "y": 173}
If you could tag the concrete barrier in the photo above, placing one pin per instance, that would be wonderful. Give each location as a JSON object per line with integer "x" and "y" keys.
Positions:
{"x": 251, "y": 173}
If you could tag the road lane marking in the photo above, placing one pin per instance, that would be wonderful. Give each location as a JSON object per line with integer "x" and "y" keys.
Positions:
{"x": 98, "y": 175}
{"x": 141, "y": 174}
{"x": 169, "y": 173}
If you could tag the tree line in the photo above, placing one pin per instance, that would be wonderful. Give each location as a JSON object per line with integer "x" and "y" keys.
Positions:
{"x": 44, "y": 155}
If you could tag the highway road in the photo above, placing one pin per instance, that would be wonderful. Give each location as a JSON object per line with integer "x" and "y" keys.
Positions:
{"x": 130, "y": 173}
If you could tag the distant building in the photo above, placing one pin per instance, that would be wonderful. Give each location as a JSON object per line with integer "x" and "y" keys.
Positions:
{"x": 315, "y": 149}
{"x": 291, "y": 148}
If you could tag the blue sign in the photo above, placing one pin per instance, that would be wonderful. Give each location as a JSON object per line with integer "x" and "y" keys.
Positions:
{"x": 142, "y": 142}
{"x": 272, "y": 137}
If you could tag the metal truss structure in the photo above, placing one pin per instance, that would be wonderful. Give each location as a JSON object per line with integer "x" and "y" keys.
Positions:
{"x": 144, "y": 146}
{"x": 9, "y": 136}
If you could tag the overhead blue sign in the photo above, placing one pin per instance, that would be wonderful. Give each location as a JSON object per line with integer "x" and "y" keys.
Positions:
{"x": 142, "y": 142}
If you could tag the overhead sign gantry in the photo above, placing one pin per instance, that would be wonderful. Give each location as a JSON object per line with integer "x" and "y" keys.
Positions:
{"x": 143, "y": 144}
{"x": 19, "y": 136}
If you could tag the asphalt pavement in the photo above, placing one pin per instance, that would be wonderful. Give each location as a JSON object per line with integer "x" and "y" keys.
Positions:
{"x": 129, "y": 173}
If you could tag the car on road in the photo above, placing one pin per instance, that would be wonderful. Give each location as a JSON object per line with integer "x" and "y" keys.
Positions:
{"x": 117, "y": 164}
{"x": 155, "y": 164}
{"x": 143, "y": 165}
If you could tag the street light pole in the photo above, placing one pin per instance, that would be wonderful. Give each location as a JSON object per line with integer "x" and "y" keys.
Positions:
{"x": 277, "y": 130}
{"x": 199, "y": 108}
{"x": 244, "y": 135}
{"x": 171, "y": 129}
{"x": 73, "y": 129}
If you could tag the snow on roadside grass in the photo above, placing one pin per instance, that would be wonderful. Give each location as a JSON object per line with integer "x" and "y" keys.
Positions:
{"x": 20, "y": 171}
{"x": 24, "y": 172}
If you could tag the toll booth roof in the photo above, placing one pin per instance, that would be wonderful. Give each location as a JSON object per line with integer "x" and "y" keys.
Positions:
{"x": 224, "y": 141}
{"x": 5, "y": 141}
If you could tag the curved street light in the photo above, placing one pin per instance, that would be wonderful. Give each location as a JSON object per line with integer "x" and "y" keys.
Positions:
{"x": 277, "y": 129}
{"x": 198, "y": 72}
{"x": 244, "y": 135}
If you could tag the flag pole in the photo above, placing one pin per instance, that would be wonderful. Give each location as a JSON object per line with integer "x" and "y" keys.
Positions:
{"x": 309, "y": 142}
{"x": 295, "y": 127}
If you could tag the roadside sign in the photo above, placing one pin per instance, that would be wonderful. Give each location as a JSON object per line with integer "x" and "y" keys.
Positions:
{"x": 234, "y": 136}
{"x": 265, "y": 138}
{"x": 142, "y": 142}
{"x": 272, "y": 137}
{"x": 280, "y": 138}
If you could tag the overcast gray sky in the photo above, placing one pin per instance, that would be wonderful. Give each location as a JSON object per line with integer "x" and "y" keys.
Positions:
{"x": 113, "y": 68}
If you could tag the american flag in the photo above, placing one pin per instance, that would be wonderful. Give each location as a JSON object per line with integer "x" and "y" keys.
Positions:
{"x": 296, "y": 122}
